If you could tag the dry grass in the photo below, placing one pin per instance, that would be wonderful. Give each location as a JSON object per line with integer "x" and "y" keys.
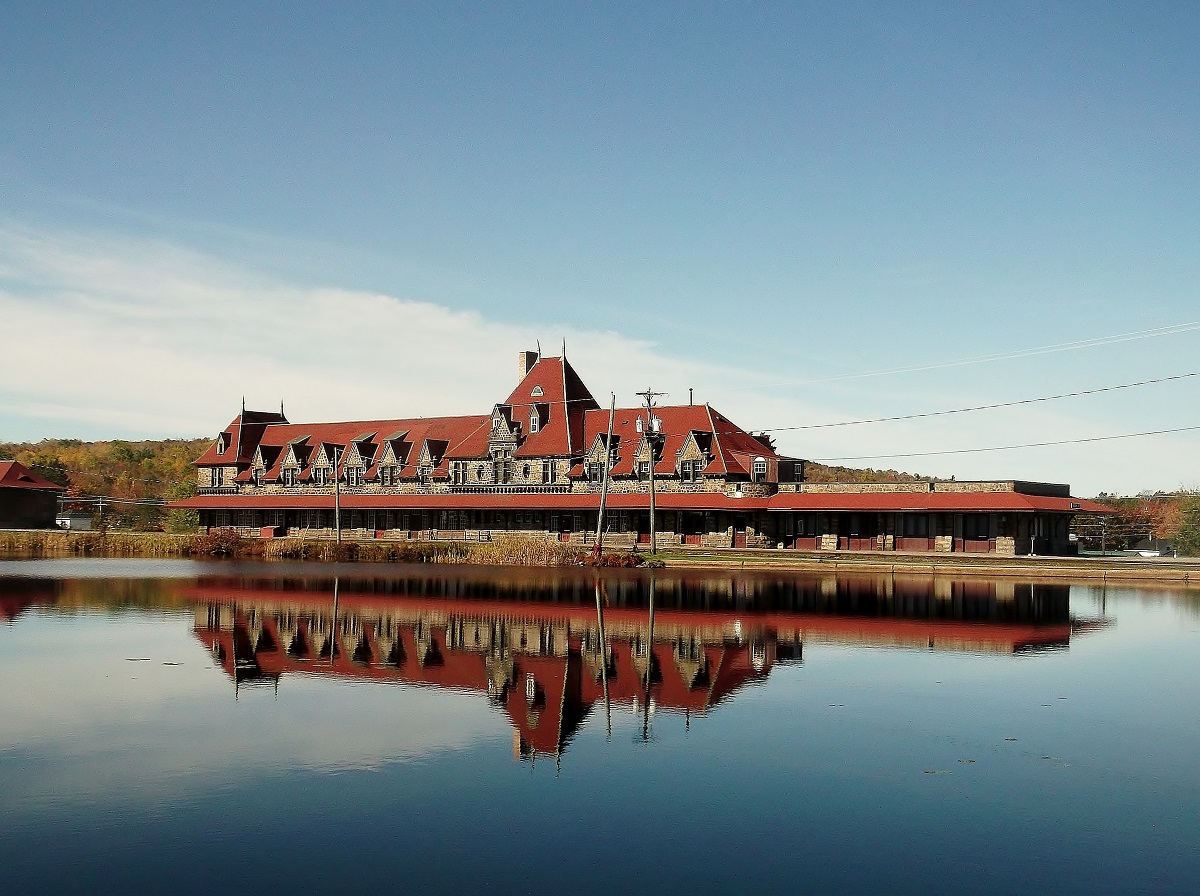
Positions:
{"x": 511, "y": 551}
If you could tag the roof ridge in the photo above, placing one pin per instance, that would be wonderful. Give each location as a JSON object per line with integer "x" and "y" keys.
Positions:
{"x": 716, "y": 435}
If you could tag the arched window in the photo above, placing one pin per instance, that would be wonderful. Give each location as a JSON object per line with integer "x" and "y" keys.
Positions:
{"x": 760, "y": 469}
{"x": 537, "y": 392}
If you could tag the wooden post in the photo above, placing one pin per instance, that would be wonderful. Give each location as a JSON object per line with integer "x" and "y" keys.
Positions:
{"x": 612, "y": 411}
{"x": 651, "y": 442}
{"x": 337, "y": 496}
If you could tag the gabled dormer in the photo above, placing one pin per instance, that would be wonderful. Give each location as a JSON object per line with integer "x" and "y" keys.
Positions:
{"x": 539, "y": 416}
{"x": 503, "y": 439}
{"x": 430, "y": 457}
{"x": 393, "y": 455}
{"x": 648, "y": 451}
{"x": 693, "y": 456}
{"x": 261, "y": 463}
{"x": 593, "y": 461}
{"x": 357, "y": 458}
{"x": 322, "y": 469}
{"x": 295, "y": 457}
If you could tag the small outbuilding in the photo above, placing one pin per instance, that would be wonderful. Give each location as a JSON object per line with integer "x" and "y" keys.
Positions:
{"x": 27, "y": 500}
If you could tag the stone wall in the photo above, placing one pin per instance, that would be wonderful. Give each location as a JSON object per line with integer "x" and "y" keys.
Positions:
{"x": 854, "y": 488}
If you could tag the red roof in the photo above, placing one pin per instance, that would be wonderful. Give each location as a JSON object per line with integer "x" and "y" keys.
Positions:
{"x": 554, "y": 390}
{"x": 888, "y": 502}
{"x": 667, "y": 501}
{"x": 16, "y": 475}
{"x": 881, "y": 502}
{"x": 732, "y": 448}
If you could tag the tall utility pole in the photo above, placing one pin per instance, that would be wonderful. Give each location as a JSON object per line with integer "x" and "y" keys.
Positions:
{"x": 652, "y": 435}
{"x": 337, "y": 496}
{"x": 612, "y": 412}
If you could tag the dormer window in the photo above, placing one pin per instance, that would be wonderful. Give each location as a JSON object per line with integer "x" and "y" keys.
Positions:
{"x": 534, "y": 422}
{"x": 537, "y": 392}
{"x": 321, "y": 475}
{"x": 354, "y": 476}
{"x": 257, "y": 476}
{"x": 289, "y": 476}
{"x": 759, "y": 469}
{"x": 222, "y": 443}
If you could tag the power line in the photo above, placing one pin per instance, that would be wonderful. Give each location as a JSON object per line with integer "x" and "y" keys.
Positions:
{"x": 1171, "y": 330}
{"x": 983, "y": 407}
{"x": 1127, "y": 435}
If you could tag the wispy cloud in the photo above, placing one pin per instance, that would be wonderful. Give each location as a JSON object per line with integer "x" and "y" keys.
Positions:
{"x": 150, "y": 337}
{"x": 123, "y": 336}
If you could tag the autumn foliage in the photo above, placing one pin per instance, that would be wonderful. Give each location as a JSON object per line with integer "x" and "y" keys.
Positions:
{"x": 127, "y": 471}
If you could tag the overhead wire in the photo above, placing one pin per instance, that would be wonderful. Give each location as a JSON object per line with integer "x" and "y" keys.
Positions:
{"x": 982, "y": 407}
{"x": 1169, "y": 330}
{"x": 1126, "y": 435}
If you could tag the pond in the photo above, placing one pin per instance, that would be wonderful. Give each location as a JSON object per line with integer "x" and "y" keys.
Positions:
{"x": 187, "y": 727}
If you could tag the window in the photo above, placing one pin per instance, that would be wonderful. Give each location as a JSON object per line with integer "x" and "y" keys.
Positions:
{"x": 257, "y": 476}
{"x": 289, "y": 476}
{"x": 643, "y": 468}
{"x": 222, "y": 443}
{"x": 218, "y": 477}
{"x": 537, "y": 392}
{"x": 534, "y": 421}
{"x": 798, "y": 471}
{"x": 525, "y": 471}
{"x": 549, "y": 471}
{"x": 479, "y": 472}
{"x": 760, "y": 469}
{"x": 354, "y": 476}
{"x": 320, "y": 475}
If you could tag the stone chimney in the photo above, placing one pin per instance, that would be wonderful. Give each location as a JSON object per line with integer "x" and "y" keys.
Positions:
{"x": 525, "y": 362}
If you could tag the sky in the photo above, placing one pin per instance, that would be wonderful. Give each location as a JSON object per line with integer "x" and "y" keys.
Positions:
{"x": 805, "y": 212}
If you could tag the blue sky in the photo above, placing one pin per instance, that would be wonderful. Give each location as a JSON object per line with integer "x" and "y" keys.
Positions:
{"x": 368, "y": 210}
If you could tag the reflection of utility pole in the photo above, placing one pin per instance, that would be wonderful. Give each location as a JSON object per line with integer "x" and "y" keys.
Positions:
{"x": 603, "y": 660}
{"x": 333, "y": 625}
{"x": 653, "y": 428}
{"x": 649, "y": 665}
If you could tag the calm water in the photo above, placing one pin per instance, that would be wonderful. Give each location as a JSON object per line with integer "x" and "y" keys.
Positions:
{"x": 190, "y": 728}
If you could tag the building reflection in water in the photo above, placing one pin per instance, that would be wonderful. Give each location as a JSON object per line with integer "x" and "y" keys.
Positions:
{"x": 532, "y": 642}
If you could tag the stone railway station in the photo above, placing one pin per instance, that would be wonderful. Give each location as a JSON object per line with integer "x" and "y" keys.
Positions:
{"x": 535, "y": 465}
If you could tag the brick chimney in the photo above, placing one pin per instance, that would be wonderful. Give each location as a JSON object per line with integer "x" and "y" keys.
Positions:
{"x": 525, "y": 362}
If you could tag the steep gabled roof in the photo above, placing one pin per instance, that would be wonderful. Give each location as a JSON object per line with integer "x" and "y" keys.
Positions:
{"x": 17, "y": 475}
{"x": 554, "y": 389}
{"x": 679, "y": 423}
{"x": 241, "y": 437}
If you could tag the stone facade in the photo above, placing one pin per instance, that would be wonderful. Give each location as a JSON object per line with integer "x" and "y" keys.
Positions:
{"x": 533, "y": 466}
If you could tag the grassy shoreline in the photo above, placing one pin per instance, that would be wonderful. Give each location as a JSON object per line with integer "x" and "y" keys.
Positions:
{"x": 29, "y": 544}
{"x": 520, "y": 551}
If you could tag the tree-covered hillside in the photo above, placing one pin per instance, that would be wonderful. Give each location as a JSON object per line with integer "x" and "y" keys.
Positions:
{"x": 147, "y": 471}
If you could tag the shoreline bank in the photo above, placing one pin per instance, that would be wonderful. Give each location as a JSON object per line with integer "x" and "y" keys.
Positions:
{"x": 48, "y": 544}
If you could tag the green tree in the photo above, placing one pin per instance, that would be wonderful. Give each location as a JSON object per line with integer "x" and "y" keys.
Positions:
{"x": 1187, "y": 539}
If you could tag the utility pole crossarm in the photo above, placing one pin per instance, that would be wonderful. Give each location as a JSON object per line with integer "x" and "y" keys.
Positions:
{"x": 652, "y": 436}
